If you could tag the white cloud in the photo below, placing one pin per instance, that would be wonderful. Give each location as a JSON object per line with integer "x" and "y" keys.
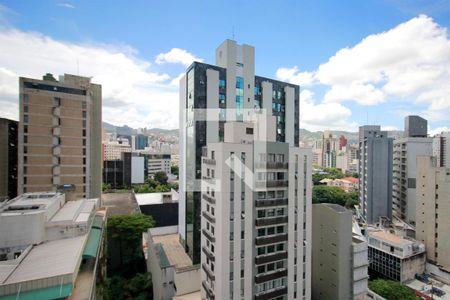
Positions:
{"x": 177, "y": 56}
{"x": 408, "y": 62}
{"x": 67, "y": 5}
{"x": 132, "y": 92}
{"x": 293, "y": 75}
{"x": 433, "y": 132}
{"x": 176, "y": 81}
{"x": 389, "y": 128}
{"x": 332, "y": 116}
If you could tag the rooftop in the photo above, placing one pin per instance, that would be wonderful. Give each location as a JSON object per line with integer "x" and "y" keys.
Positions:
{"x": 29, "y": 202}
{"x": 392, "y": 238}
{"x": 156, "y": 198}
{"x": 172, "y": 250}
{"x": 55, "y": 258}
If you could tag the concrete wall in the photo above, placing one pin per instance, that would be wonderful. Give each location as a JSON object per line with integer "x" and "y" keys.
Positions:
{"x": 187, "y": 280}
{"x": 137, "y": 169}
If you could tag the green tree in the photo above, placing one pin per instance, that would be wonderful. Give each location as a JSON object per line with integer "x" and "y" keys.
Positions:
{"x": 352, "y": 199}
{"x": 125, "y": 232}
{"x": 106, "y": 187}
{"x": 161, "y": 177}
{"x": 392, "y": 290}
{"x": 328, "y": 194}
{"x": 174, "y": 170}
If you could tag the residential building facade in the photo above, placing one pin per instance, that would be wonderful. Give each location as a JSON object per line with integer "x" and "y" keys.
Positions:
{"x": 404, "y": 171}
{"x": 256, "y": 216}
{"x": 339, "y": 259}
{"x": 433, "y": 210}
{"x": 375, "y": 173}
{"x": 60, "y": 135}
{"x": 441, "y": 149}
{"x": 211, "y": 95}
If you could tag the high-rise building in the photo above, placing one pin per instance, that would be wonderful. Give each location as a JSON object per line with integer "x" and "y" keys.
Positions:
{"x": 141, "y": 142}
{"x": 211, "y": 95}
{"x": 60, "y": 135}
{"x": 406, "y": 151}
{"x": 256, "y": 215}
{"x": 339, "y": 259}
{"x": 8, "y": 159}
{"x": 441, "y": 149}
{"x": 433, "y": 210}
{"x": 415, "y": 126}
{"x": 342, "y": 142}
{"x": 375, "y": 173}
{"x": 330, "y": 146}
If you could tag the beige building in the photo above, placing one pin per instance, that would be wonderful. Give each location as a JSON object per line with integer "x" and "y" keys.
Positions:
{"x": 60, "y": 135}
{"x": 339, "y": 259}
{"x": 433, "y": 210}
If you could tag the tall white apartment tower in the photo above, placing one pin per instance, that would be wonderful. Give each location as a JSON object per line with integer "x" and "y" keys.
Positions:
{"x": 406, "y": 151}
{"x": 256, "y": 214}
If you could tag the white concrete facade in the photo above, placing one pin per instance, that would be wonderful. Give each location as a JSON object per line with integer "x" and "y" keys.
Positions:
{"x": 256, "y": 217}
{"x": 404, "y": 172}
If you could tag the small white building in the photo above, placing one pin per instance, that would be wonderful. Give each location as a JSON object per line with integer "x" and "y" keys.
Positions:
{"x": 173, "y": 275}
{"x": 395, "y": 257}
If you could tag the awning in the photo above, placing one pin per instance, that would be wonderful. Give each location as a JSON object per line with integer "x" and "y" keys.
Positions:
{"x": 93, "y": 242}
{"x": 54, "y": 292}
{"x": 97, "y": 222}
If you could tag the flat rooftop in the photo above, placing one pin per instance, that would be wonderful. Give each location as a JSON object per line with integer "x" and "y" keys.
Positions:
{"x": 389, "y": 237}
{"x": 173, "y": 250}
{"x": 155, "y": 198}
{"x": 75, "y": 211}
{"x": 49, "y": 259}
{"x": 29, "y": 202}
{"x": 426, "y": 288}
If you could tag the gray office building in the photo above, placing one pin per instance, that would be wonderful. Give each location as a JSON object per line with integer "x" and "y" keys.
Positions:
{"x": 8, "y": 159}
{"x": 415, "y": 126}
{"x": 375, "y": 173}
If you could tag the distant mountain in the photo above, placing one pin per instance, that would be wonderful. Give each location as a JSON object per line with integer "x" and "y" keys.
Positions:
{"x": 126, "y": 130}
{"x": 306, "y": 136}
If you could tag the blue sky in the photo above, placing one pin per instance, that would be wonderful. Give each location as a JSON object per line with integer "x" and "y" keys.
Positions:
{"x": 119, "y": 42}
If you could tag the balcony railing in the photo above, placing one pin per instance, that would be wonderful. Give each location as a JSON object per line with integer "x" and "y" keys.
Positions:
{"x": 265, "y": 240}
{"x": 271, "y": 165}
{"x": 271, "y": 183}
{"x": 208, "y": 217}
{"x": 271, "y": 202}
{"x": 209, "y": 198}
{"x": 267, "y": 258}
{"x": 209, "y": 161}
{"x": 271, "y": 221}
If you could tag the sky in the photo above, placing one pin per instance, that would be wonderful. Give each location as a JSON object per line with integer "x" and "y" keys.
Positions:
{"x": 357, "y": 62}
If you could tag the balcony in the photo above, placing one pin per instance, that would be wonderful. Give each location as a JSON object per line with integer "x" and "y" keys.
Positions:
{"x": 57, "y": 150}
{"x": 271, "y": 221}
{"x": 271, "y": 276}
{"x": 209, "y": 161}
{"x": 265, "y": 240}
{"x": 271, "y": 294}
{"x": 209, "y": 199}
{"x": 208, "y": 253}
{"x": 208, "y": 217}
{"x": 208, "y": 235}
{"x": 56, "y": 170}
{"x": 271, "y": 183}
{"x": 208, "y": 290}
{"x": 209, "y": 180}
{"x": 267, "y": 258}
{"x": 271, "y": 202}
{"x": 56, "y": 131}
{"x": 271, "y": 165}
{"x": 208, "y": 271}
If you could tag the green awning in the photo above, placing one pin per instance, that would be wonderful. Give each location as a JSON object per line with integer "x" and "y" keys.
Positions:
{"x": 163, "y": 260}
{"x": 54, "y": 292}
{"x": 93, "y": 242}
{"x": 97, "y": 222}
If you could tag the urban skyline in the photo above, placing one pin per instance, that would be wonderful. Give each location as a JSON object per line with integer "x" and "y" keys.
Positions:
{"x": 144, "y": 73}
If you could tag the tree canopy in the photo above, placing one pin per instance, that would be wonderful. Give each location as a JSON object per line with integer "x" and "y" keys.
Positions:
{"x": 333, "y": 194}
{"x": 161, "y": 177}
{"x": 392, "y": 290}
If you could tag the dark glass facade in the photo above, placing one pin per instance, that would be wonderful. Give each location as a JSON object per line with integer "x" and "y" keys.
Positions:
{"x": 195, "y": 133}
